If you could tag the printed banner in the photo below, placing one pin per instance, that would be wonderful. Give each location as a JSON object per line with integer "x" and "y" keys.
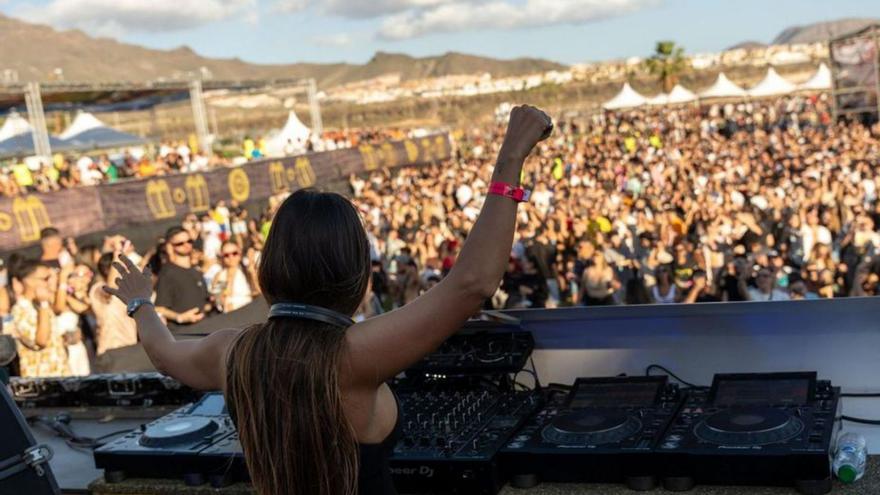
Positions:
{"x": 84, "y": 210}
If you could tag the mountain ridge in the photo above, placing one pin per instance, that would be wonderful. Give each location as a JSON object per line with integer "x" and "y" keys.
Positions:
{"x": 35, "y": 51}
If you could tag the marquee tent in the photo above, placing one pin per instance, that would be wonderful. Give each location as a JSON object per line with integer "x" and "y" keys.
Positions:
{"x": 14, "y": 125}
{"x": 626, "y": 98}
{"x": 680, "y": 94}
{"x": 293, "y": 136}
{"x": 820, "y": 80}
{"x": 87, "y": 132}
{"x": 16, "y": 138}
{"x": 723, "y": 88}
{"x": 772, "y": 84}
{"x": 661, "y": 99}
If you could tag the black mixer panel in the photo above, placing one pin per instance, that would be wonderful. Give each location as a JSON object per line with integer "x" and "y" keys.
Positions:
{"x": 603, "y": 430}
{"x": 479, "y": 349}
{"x": 451, "y": 434}
{"x": 107, "y": 390}
{"x": 200, "y": 439}
{"x": 754, "y": 429}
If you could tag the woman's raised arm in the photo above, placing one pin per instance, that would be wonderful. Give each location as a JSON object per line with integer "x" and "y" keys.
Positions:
{"x": 381, "y": 347}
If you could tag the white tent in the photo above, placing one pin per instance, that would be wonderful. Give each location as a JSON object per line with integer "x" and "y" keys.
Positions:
{"x": 626, "y": 98}
{"x": 661, "y": 99}
{"x": 772, "y": 84}
{"x": 680, "y": 94}
{"x": 84, "y": 121}
{"x": 292, "y": 137}
{"x": 723, "y": 88}
{"x": 14, "y": 125}
{"x": 820, "y": 80}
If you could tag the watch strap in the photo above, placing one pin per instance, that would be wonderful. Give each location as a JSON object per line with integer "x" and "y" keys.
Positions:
{"x": 515, "y": 193}
{"x": 135, "y": 304}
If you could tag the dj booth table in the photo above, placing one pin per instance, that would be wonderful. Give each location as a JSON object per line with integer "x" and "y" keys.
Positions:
{"x": 839, "y": 339}
{"x": 869, "y": 485}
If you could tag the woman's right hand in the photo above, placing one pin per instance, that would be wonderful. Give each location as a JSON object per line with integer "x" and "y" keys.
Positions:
{"x": 527, "y": 127}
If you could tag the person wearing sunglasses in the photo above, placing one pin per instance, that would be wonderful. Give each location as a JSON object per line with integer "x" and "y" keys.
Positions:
{"x": 181, "y": 293}
{"x": 234, "y": 285}
{"x": 41, "y": 347}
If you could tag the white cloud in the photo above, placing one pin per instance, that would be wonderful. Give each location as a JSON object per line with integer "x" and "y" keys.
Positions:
{"x": 289, "y": 6}
{"x": 377, "y": 8}
{"x": 333, "y": 40}
{"x": 498, "y": 14}
{"x": 356, "y": 9}
{"x": 116, "y": 17}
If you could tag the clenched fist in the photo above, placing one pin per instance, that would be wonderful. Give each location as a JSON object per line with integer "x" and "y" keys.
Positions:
{"x": 526, "y": 128}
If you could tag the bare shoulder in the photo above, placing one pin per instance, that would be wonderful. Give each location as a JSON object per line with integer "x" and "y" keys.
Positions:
{"x": 207, "y": 358}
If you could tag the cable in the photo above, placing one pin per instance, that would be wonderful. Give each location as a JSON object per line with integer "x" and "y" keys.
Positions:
{"x": 861, "y": 394}
{"x": 535, "y": 372}
{"x": 673, "y": 375}
{"x": 74, "y": 441}
{"x": 863, "y": 421}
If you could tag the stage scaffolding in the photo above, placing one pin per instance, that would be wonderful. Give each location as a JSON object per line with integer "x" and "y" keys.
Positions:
{"x": 66, "y": 96}
{"x": 855, "y": 69}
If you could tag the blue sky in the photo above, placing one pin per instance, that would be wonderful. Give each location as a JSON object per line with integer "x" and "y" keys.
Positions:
{"x": 568, "y": 31}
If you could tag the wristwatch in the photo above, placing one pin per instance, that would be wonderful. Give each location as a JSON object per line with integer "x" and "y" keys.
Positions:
{"x": 135, "y": 304}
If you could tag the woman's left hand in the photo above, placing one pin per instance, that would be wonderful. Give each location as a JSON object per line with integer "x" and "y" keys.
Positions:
{"x": 132, "y": 282}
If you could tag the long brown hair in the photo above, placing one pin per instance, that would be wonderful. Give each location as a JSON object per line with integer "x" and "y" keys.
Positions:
{"x": 282, "y": 381}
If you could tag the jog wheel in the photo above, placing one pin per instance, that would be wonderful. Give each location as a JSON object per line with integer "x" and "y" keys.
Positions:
{"x": 178, "y": 431}
{"x": 591, "y": 427}
{"x": 749, "y": 426}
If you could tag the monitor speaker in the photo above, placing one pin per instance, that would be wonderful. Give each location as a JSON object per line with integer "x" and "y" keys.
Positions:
{"x": 24, "y": 466}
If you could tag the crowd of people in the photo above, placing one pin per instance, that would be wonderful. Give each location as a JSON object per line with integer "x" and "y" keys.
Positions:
{"x": 65, "y": 171}
{"x": 735, "y": 202}
{"x": 63, "y": 322}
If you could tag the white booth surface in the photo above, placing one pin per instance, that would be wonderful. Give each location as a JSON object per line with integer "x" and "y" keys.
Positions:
{"x": 839, "y": 339}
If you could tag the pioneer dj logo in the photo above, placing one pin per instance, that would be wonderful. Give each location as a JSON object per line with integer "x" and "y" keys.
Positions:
{"x": 423, "y": 471}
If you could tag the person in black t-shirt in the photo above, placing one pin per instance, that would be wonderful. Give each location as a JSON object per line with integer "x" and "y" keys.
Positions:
{"x": 181, "y": 295}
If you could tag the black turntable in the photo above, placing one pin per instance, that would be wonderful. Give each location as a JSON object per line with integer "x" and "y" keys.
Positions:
{"x": 603, "y": 430}
{"x": 199, "y": 440}
{"x": 754, "y": 429}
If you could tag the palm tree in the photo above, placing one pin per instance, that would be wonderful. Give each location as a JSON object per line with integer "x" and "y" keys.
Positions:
{"x": 667, "y": 63}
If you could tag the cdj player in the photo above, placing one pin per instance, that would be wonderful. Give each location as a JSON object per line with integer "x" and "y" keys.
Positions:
{"x": 754, "y": 429}
{"x": 603, "y": 430}
{"x": 197, "y": 442}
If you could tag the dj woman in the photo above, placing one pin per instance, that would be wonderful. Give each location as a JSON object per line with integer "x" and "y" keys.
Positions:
{"x": 307, "y": 388}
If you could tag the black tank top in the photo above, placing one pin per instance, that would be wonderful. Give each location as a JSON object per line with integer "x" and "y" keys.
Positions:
{"x": 374, "y": 477}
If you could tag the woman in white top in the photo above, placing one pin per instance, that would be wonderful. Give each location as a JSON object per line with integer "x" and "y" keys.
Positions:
{"x": 235, "y": 285}
{"x": 664, "y": 291}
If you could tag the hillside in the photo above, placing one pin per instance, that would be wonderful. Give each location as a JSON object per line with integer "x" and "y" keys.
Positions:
{"x": 821, "y": 31}
{"x": 35, "y": 51}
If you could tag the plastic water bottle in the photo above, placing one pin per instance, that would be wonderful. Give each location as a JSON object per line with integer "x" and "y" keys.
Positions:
{"x": 852, "y": 453}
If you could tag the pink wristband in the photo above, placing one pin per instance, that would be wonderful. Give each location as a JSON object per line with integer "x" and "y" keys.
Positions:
{"x": 517, "y": 194}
